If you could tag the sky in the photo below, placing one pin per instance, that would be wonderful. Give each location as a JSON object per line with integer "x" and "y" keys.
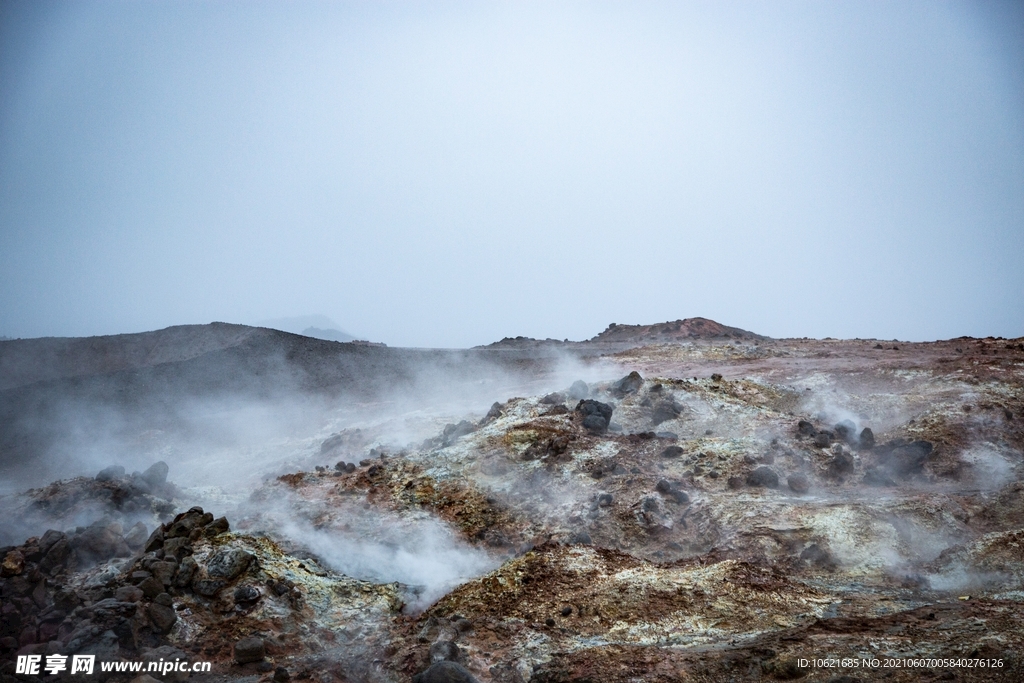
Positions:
{"x": 446, "y": 174}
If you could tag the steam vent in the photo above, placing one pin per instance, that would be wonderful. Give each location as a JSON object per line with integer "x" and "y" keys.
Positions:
{"x": 683, "y": 501}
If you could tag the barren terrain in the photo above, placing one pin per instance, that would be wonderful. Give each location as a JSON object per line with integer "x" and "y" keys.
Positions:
{"x": 710, "y": 505}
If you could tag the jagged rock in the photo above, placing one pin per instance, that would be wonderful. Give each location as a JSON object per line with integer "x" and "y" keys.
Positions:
{"x": 798, "y": 482}
{"x": 155, "y": 540}
{"x": 110, "y": 473}
{"x": 763, "y": 476}
{"x": 806, "y": 428}
{"x": 444, "y": 672}
{"x": 100, "y": 542}
{"x": 250, "y": 649}
{"x": 281, "y": 675}
{"x": 151, "y": 587}
{"x": 220, "y": 525}
{"x": 494, "y": 412}
{"x": 867, "y": 440}
{"x": 177, "y": 547}
{"x": 629, "y": 384}
{"x": 186, "y": 570}
{"x": 229, "y": 563}
{"x": 579, "y": 390}
{"x": 596, "y": 415}
{"x": 156, "y": 474}
{"x": 49, "y": 539}
{"x": 453, "y": 431}
{"x": 161, "y": 616}
{"x": 553, "y": 399}
{"x": 128, "y": 594}
{"x": 163, "y": 571}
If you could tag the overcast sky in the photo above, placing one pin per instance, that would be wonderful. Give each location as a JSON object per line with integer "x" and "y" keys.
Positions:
{"x": 447, "y": 174}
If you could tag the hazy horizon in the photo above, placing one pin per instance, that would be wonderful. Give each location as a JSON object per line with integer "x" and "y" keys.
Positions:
{"x": 450, "y": 174}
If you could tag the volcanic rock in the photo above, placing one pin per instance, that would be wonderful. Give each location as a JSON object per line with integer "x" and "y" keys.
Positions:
{"x": 867, "y": 440}
{"x": 161, "y": 616}
{"x": 763, "y": 476}
{"x": 671, "y": 452}
{"x": 798, "y": 482}
{"x": 596, "y": 415}
{"x": 250, "y": 649}
{"x": 228, "y": 563}
{"x": 629, "y": 384}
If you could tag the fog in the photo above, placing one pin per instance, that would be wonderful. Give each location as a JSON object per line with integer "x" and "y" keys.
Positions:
{"x": 445, "y": 175}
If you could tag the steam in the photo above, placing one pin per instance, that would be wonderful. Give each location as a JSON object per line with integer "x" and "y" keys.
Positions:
{"x": 414, "y": 549}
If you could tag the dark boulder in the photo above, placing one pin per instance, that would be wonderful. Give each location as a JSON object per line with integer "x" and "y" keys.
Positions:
{"x": 249, "y": 650}
{"x": 494, "y": 412}
{"x": 798, "y": 482}
{"x": 596, "y": 415}
{"x": 824, "y": 438}
{"x": 842, "y": 463}
{"x": 161, "y": 616}
{"x": 867, "y": 439}
{"x": 671, "y": 452}
{"x": 806, "y": 428}
{"x": 453, "y": 431}
{"x": 229, "y": 563}
{"x": 186, "y": 570}
{"x": 220, "y": 525}
{"x": 552, "y": 399}
{"x": 763, "y": 476}
{"x": 629, "y": 384}
{"x": 444, "y": 672}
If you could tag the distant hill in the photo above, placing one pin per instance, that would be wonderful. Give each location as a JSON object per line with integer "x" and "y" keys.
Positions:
{"x": 329, "y": 335}
{"x": 25, "y": 361}
{"x": 674, "y": 331}
{"x": 625, "y": 335}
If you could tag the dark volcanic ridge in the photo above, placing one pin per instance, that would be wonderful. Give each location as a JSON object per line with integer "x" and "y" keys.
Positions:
{"x": 674, "y": 331}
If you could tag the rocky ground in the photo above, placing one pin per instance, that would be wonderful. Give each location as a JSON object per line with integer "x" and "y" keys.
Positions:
{"x": 723, "y": 508}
